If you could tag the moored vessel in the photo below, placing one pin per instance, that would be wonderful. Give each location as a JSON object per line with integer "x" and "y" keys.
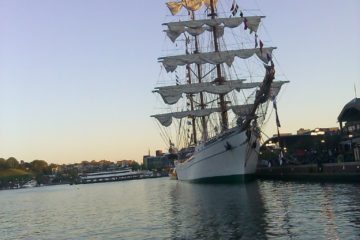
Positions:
{"x": 218, "y": 125}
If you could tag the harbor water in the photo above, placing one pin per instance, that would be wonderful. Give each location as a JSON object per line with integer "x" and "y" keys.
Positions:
{"x": 166, "y": 209}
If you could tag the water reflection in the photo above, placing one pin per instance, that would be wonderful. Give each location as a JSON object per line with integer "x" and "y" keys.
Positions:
{"x": 164, "y": 209}
{"x": 203, "y": 211}
{"x": 310, "y": 211}
{"x": 265, "y": 210}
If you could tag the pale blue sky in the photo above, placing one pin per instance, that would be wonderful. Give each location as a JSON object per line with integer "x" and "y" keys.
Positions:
{"x": 76, "y": 75}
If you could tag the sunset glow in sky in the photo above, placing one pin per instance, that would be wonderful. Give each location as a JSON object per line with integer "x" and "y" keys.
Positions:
{"x": 76, "y": 76}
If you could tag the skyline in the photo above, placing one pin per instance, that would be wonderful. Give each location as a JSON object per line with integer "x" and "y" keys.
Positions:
{"x": 71, "y": 89}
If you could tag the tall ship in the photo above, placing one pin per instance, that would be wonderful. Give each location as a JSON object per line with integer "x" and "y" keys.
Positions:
{"x": 216, "y": 87}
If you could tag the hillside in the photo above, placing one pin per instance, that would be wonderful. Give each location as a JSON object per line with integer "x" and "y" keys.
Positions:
{"x": 13, "y": 173}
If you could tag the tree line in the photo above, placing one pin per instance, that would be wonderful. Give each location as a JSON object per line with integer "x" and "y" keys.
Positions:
{"x": 35, "y": 166}
{"x": 44, "y": 173}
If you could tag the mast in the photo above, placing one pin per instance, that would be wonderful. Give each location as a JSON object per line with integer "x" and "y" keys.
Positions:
{"x": 196, "y": 89}
{"x": 192, "y": 106}
{"x": 193, "y": 122}
{"x": 220, "y": 79}
{"x": 199, "y": 75}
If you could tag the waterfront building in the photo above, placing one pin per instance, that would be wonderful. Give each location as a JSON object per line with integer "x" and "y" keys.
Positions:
{"x": 159, "y": 161}
{"x": 125, "y": 163}
{"x": 319, "y": 131}
{"x": 349, "y": 120}
{"x": 307, "y": 147}
{"x": 327, "y": 144}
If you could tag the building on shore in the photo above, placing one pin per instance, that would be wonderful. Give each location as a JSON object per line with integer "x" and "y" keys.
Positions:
{"x": 349, "y": 120}
{"x": 160, "y": 161}
{"x": 305, "y": 147}
{"x": 320, "y": 144}
{"x": 321, "y": 154}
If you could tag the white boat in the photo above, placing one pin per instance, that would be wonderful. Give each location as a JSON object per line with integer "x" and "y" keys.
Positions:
{"x": 218, "y": 126}
{"x": 108, "y": 176}
{"x": 30, "y": 184}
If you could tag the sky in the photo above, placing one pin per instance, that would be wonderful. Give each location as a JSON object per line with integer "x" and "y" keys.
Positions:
{"x": 76, "y": 75}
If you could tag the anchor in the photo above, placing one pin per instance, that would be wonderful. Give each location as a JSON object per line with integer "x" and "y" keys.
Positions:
{"x": 228, "y": 146}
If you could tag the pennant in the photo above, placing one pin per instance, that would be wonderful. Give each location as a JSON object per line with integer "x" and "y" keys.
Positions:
{"x": 234, "y": 8}
{"x": 256, "y": 40}
{"x": 177, "y": 79}
{"x": 269, "y": 57}
{"x": 245, "y": 24}
{"x": 261, "y": 46}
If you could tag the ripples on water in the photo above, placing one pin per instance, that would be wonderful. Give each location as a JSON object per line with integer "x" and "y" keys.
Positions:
{"x": 165, "y": 209}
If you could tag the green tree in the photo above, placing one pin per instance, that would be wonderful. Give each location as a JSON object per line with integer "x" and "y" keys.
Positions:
{"x": 49, "y": 169}
{"x": 12, "y": 162}
{"x": 3, "y": 164}
{"x": 73, "y": 175}
{"x": 39, "y": 166}
{"x": 85, "y": 163}
{"x": 39, "y": 177}
{"x": 134, "y": 165}
{"x": 94, "y": 163}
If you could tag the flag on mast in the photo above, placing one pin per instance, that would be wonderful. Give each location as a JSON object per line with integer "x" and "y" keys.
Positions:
{"x": 234, "y": 8}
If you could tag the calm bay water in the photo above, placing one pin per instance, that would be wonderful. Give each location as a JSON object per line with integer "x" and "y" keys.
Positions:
{"x": 166, "y": 209}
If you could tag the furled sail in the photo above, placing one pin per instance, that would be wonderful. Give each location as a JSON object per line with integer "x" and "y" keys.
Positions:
{"x": 172, "y": 62}
{"x": 172, "y": 94}
{"x": 166, "y": 119}
{"x": 190, "y": 5}
{"x": 197, "y": 27}
{"x": 275, "y": 88}
{"x": 174, "y": 34}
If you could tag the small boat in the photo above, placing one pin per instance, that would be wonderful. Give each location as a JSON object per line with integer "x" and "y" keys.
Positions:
{"x": 30, "y": 184}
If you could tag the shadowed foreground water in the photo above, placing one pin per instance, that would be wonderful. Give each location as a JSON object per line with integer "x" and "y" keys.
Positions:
{"x": 165, "y": 209}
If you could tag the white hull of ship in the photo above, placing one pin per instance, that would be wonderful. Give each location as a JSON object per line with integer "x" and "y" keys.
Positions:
{"x": 228, "y": 156}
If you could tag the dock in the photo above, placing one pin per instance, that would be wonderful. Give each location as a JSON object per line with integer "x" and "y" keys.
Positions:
{"x": 327, "y": 172}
